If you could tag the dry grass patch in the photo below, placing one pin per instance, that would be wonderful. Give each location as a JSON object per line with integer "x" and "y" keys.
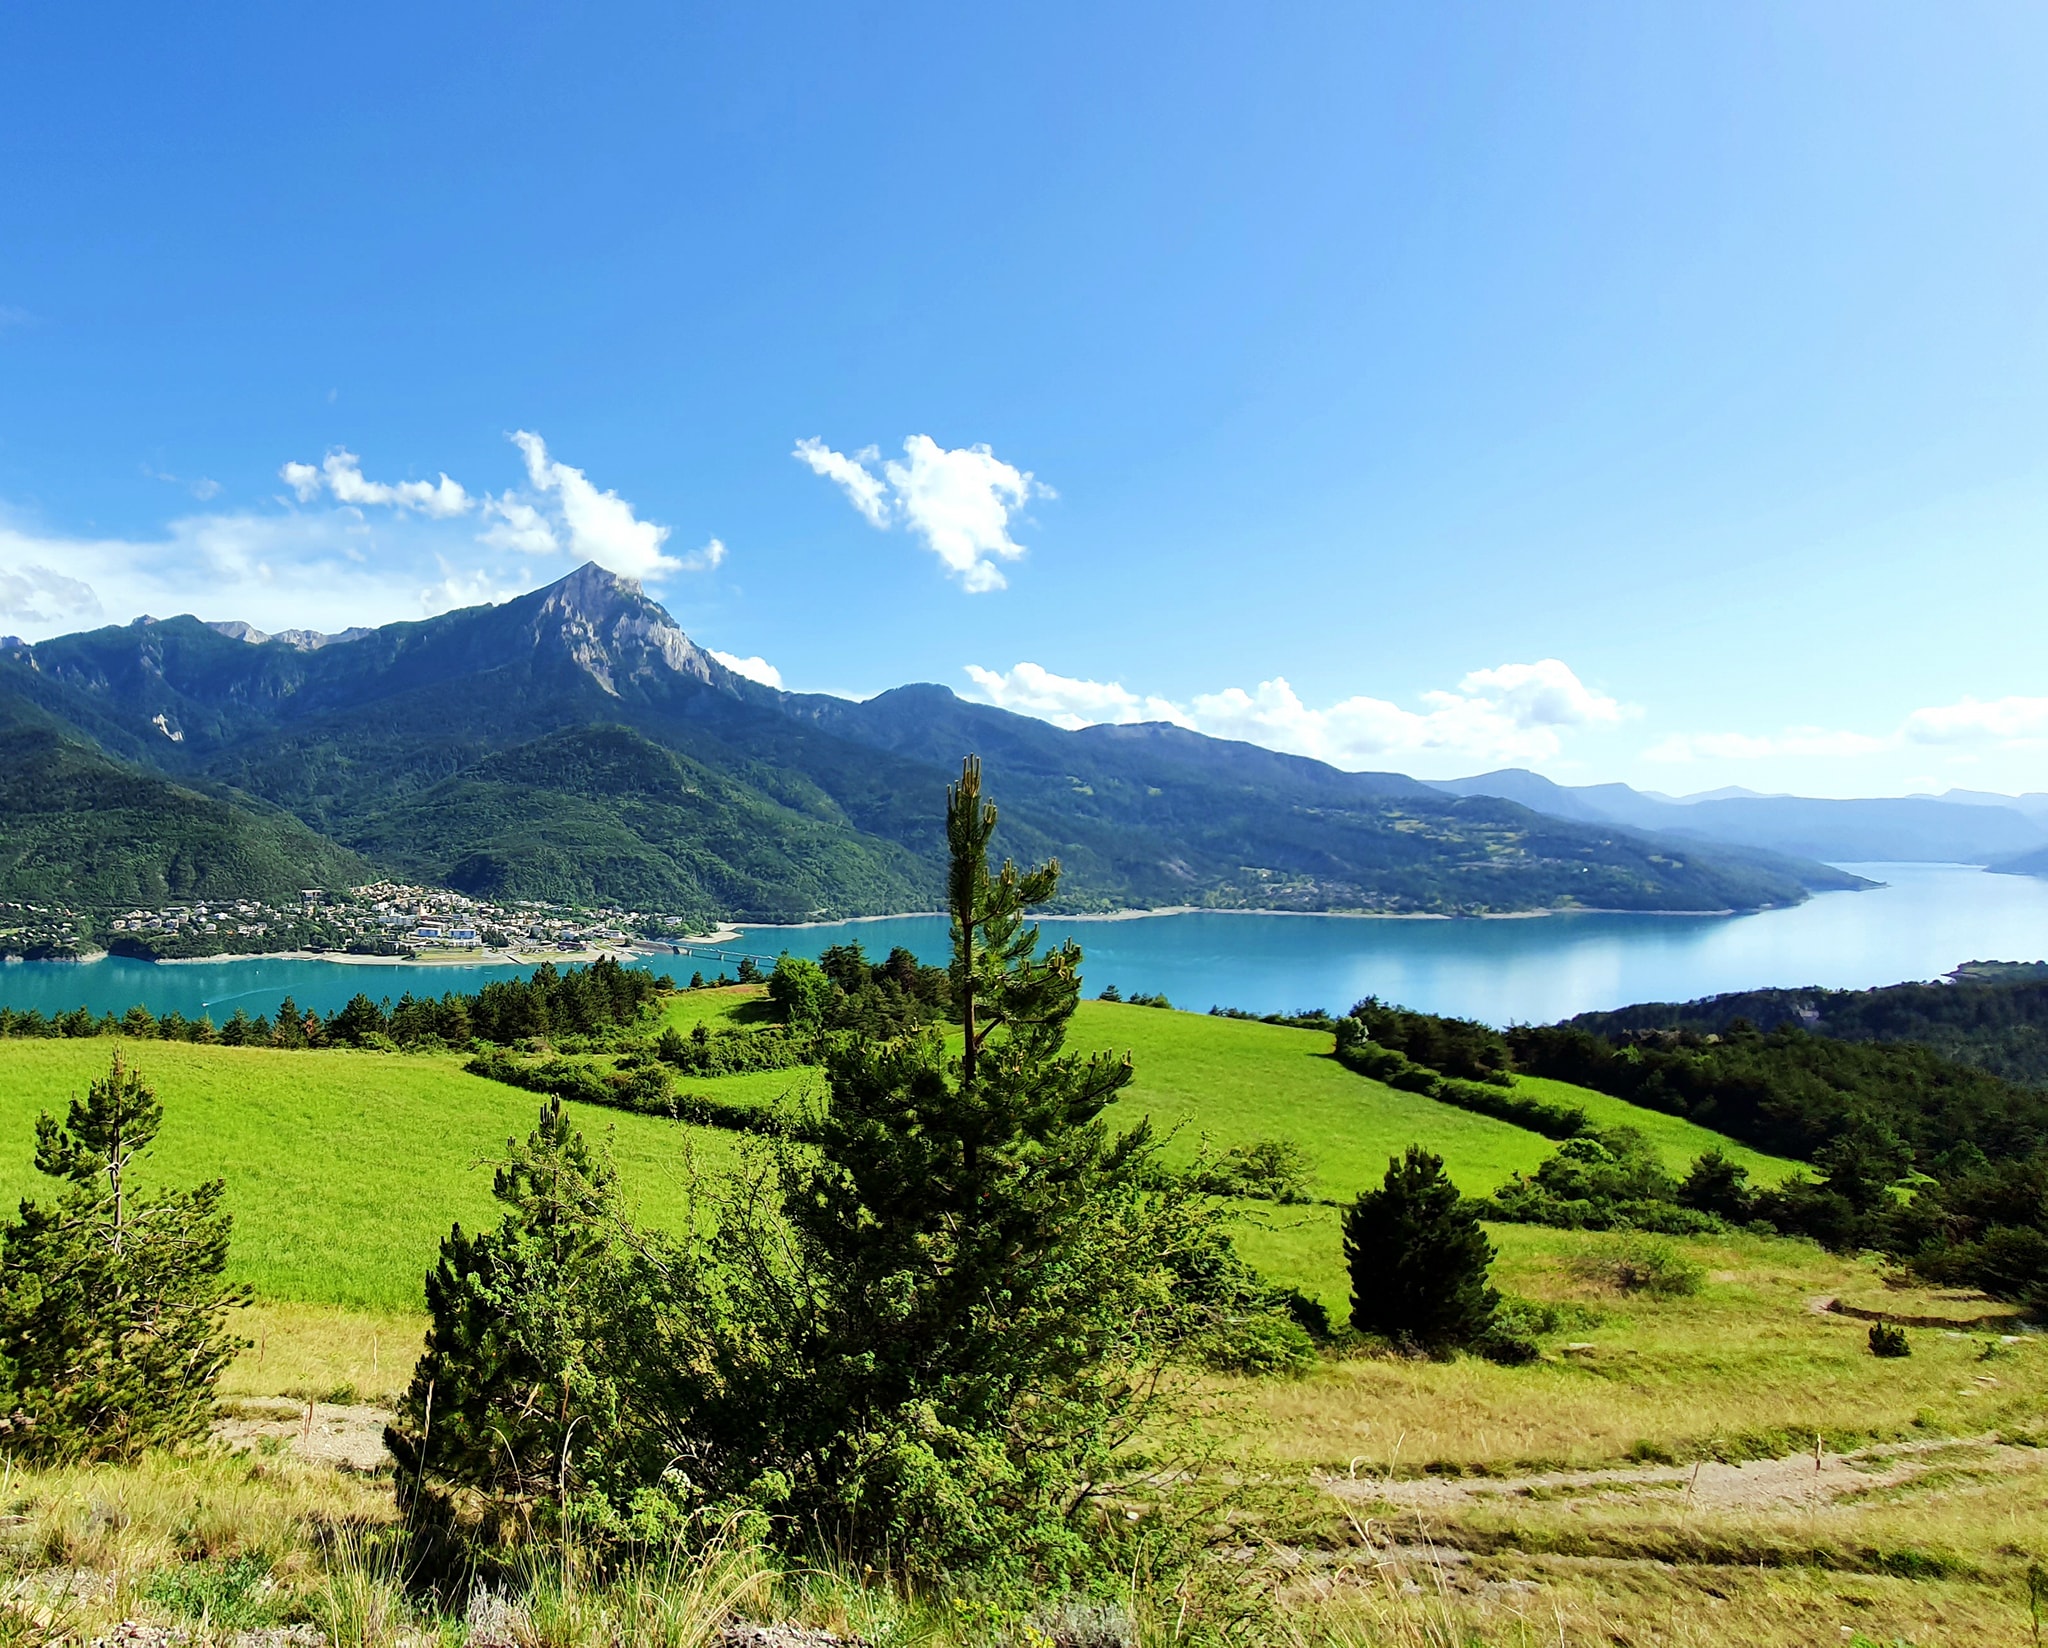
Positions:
{"x": 1746, "y": 1367}
{"x": 322, "y": 1353}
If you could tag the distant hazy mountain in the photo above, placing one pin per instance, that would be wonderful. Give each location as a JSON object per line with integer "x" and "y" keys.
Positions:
{"x": 576, "y": 744}
{"x": 1948, "y": 829}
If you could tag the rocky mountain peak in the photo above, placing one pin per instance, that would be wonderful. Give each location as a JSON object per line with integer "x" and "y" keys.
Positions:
{"x": 618, "y": 635}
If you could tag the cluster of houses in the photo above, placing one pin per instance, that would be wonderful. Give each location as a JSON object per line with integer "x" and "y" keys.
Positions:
{"x": 379, "y": 919}
{"x": 433, "y": 918}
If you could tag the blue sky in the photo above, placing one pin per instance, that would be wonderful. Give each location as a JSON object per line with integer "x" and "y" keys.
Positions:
{"x": 1651, "y": 393}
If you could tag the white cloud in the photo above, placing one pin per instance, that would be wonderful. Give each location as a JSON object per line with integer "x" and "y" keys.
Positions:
{"x": 341, "y": 473}
{"x": 358, "y": 551}
{"x": 516, "y": 524}
{"x": 958, "y": 500}
{"x": 1517, "y": 712}
{"x": 2011, "y": 724}
{"x": 319, "y": 569}
{"x": 563, "y": 513}
{"x": 754, "y": 669}
{"x": 595, "y": 526}
{"x": 35, "y": 595}
{"x": 863, "y": 489}
{"x": 1067, "y": 702}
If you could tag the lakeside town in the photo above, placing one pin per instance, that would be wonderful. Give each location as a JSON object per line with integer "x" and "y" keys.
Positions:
{"x": 382, "y": 920}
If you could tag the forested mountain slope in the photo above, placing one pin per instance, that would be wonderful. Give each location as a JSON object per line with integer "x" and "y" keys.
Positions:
{"x": 574, "y": 743}
{"x": 79, "y": 827}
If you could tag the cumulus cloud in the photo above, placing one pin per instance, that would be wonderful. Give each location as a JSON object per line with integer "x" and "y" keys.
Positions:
{"x": 595, "y": 525}
{"x": 1066, "y": 701}
{"x": 515, "y": 524}
{"x": 35, "y": 596}
{"x": 357, "y": 551}
{"x": 863, "y": 489}
{"x": 754, "y": 669}
{"x": 322, "y": 569}
{"x": 340, "y": 473}
{"x": 1516, "y": 712}
{"x": 959, "y": 500}
{"x": 561, "y": 511}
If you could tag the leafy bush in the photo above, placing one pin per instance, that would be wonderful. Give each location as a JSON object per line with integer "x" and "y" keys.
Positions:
{"x": 1452, "y": 1047}
{"x": 1887, "y": 1340}
{"x": 705, "y": 1052}
{"x": 1358, "y": 1051}
{"x": 934, "y": 1337}
{"x": 1610, "y": 1180}
{"x": 1655, "y": 1268}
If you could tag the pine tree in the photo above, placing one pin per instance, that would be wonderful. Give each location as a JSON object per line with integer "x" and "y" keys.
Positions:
{"x": 929, "y": 1336}
{"x": 989, "y": 1269}
{"x": 537, "y": 1329}
{"x": 1418, "y": 1260}
{"x": 113, "y": 1306}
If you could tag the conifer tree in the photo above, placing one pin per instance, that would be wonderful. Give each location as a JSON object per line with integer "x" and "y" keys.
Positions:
{"x": 113, "y": 1305}
{"x": 517, "y": 1393}
{"x": 1418, "y": 1259}
{"x": 929, "y": 1336}
{"x": 988, "y": 1267}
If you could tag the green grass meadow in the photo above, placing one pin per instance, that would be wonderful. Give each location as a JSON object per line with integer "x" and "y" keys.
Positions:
{"x": 345, "y": 1169}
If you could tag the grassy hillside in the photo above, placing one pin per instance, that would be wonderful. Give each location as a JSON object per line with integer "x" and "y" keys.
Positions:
{"x": 345, "y": 1169}
{"x": 1238, "y": 1081}
{"x": 1653, "y": 1479}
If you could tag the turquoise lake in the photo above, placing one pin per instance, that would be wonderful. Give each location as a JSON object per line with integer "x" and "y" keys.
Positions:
{"x": 1927, "y": 919}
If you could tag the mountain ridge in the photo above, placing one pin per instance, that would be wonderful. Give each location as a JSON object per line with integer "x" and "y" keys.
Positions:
{"x": 575, "y": 742}
{"x": 1900, "y": 829}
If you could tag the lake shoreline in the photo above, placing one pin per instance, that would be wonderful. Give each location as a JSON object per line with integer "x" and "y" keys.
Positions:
{"x": 1503, "y": 969}
{"x": 1319, "y": 915}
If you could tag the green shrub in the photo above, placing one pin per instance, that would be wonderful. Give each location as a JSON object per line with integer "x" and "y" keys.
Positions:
{"x": 1887, "y": 1340}
{"x": 1636, "y": 1266}
{"x": 1266, "y": 1170}
{"x": 931, "y": 1338}
{"x": 1610, "y": 1180}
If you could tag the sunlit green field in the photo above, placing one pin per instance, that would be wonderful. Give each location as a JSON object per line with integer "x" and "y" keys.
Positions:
{"x": 345, "y": 1169}
{"x": 1235, "y": 1081}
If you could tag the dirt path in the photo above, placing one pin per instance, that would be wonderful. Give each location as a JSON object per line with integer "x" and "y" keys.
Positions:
{"x": 1756, "y": 1485}
{"x": 348, "y": 1438}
